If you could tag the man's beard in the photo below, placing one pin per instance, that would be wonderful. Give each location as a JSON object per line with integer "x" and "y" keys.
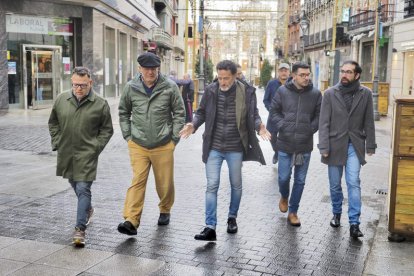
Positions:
{"x": 346, "y": 82}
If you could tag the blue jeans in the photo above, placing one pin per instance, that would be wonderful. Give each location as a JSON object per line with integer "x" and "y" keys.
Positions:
{"x": 213, "y": 167}
{"x": 353, "y": 183}
{"x": 83, "y": 192}
{"x": 285, "y": 172}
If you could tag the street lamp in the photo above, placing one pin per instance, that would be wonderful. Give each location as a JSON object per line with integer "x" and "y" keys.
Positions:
{"x": 304, "y": 26}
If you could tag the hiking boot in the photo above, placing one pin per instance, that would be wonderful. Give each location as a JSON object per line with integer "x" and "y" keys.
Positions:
{"x": 79, "y": 237}
{"x": 90, "y": 214}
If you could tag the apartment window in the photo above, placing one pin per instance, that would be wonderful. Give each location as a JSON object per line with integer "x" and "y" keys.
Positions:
{"x": 408, "y": 8}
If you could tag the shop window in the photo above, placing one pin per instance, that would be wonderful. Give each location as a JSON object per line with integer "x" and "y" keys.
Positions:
{"x": 110, "y": 63}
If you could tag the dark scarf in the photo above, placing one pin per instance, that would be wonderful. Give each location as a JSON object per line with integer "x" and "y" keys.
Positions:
{"x": 348, "y": 92}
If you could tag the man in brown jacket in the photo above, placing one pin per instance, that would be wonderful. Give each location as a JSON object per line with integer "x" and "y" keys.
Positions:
{"x": 346, "y": 132}
{"x": 80, "y": 125}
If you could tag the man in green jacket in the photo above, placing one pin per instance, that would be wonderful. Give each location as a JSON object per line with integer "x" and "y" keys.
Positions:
{"x": 80, "y": 125}
{"x": 151, "y": 115}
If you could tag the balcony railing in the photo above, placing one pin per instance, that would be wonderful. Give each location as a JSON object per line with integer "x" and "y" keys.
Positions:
{"x": 317, "y": 38}
{"x": 323, "y": 36}
{"x": 311, "y": 42}
{"x": 162, "y": 38}
{"x": 306, "y": 40}
{"x": 178, "y": 42}
{"x": 367, "y": 18}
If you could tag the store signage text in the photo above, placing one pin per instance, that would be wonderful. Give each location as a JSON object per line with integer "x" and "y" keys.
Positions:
{"x": 38, "y": 25}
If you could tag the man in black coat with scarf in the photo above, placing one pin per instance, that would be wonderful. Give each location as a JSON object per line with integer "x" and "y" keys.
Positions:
{"x": 229, "y": 110}
{"x": 346, "y": 132}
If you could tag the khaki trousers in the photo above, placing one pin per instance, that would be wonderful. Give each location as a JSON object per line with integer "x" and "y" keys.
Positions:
{"x": 162, "y": 161}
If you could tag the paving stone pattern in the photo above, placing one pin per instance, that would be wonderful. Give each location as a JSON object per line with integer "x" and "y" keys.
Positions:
{"x": 264, "y": 245}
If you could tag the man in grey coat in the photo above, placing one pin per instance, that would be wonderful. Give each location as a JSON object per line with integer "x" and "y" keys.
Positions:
{"x": 346, "y": 132}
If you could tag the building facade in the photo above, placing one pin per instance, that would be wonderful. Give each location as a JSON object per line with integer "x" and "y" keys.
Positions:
{"x": 402, "y": 75}
{"x": 43, "y": 40}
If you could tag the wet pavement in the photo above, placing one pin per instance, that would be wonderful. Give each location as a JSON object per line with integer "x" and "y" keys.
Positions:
{"x": 38, "y": 209}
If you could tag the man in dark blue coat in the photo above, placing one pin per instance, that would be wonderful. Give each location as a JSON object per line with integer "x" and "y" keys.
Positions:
{"x": 283, "y": 73}
{"x": 229, "y": 110}
{"x": 295, "y": 111}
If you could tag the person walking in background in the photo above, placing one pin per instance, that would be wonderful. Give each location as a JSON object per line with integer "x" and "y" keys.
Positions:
{"x": 188, "y": 97}
{"x": 283, "y": 73}
{"x": 80, "y": 126}
{"x": 187, "y": 92}
{"x": 295, "y": 111}
{"x": 151, "y": 114}
{"x": 346, "y": 132}
{"x": 240, "y": 75}
{"x": 229, "y": 110}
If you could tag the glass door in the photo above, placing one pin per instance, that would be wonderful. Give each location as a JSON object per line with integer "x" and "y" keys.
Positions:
{"x": 43, "y": 80}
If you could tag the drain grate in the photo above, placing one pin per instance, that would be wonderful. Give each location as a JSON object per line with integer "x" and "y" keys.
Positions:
{"x": 381, "y": 191}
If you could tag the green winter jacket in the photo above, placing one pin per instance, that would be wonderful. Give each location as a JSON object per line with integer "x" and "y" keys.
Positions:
{"x": 151, "y": 121}
{"x": 79, "y": 134}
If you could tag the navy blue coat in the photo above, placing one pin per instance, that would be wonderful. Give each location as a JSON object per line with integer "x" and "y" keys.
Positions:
{"x": 270, "y": 92}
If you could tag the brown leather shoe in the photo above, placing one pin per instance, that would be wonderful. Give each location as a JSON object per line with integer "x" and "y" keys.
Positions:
{"x": 283, "y": 205}
{"x": 293, "y": 219}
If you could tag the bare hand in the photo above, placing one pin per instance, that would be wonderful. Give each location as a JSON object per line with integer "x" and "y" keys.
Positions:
{"x": 264, "y": 133}
{"x": 325, "y": 155}
{"x": 187, "y": 130}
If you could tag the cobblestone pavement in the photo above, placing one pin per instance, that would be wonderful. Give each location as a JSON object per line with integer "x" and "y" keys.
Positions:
{"x": 264, "y": 245}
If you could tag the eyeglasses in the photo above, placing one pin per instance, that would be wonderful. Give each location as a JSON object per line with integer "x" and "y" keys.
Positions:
{"x": 304, "y": 75}
{"x": 348, "y": 72}
{"x": 81, "y": 85}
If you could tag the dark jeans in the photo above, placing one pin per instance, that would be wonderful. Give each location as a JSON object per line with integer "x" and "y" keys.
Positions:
{"x": 83, "y": 192}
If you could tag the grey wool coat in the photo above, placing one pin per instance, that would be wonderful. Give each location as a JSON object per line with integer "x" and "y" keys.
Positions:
{"x": 79, "y": 134}
{"x": 337, "y": 127}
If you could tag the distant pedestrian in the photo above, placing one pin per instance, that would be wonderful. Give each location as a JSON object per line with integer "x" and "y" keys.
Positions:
{"x": 80, "y": 125}
{"x": 229, "y": 110}
{"x": 283, "y": 73}
{"x": 295, "y": 111}
{"x": 346, "y": 132}
{"x": 186, "y": 86}
{"x": 240, "y": 75}
{"x": 151, "y": 114}
{"x": 188, "y": 97}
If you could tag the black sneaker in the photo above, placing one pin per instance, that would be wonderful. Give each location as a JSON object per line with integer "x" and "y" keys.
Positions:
{"x": 127, "y": 228}
{"x": 354, "y": 231}
{"x": 207, "y": 234}
{"x": 275, "y": 158}
{"x": 336, "y": 220}
{"x": 164, "y": 219}
{"x": 231, "y": 226}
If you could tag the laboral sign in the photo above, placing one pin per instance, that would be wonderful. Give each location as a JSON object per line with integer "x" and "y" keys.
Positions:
{"x": 38, "y": 25}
